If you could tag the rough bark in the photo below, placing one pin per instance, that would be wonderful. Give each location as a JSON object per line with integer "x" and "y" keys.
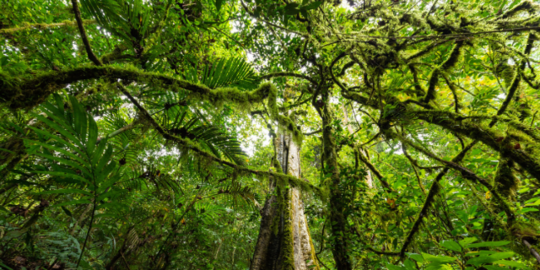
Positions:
{"x": 337, "y": 205}
{"x": 284, "y": 240}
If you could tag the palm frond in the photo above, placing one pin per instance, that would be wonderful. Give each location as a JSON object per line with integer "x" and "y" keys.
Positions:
{"x": 124, "y": 18}
{"x": 239, "y": 194}
{"x": 233, "y": 72}
{"x": 74, "y": 155}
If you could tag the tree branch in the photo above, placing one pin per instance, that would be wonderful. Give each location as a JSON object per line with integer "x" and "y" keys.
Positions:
{"x": 41, "y": 26}
{"x": 191, "y": 146}
{"x": 84, "y": 37}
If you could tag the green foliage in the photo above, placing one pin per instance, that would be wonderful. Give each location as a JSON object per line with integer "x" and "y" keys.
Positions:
{"x": 418, "y": 124}
{"x": 232, "y": 72}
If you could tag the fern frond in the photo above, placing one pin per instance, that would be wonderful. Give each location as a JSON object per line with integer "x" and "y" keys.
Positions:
{"x": 232, "y": 72}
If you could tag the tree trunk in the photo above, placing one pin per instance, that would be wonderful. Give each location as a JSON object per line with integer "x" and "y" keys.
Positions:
{"x": 284, "y": 240}
{"x": 338, "y": 216}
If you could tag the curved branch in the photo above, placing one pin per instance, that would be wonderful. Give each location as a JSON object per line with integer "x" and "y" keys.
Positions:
{"x": 377, "y": 173}
{"x": 84, "y": 37}
{"x": 466, "y": 127}
{"x": 433, "y": 190}
{"x": 41, "y": 26}
{"x": 465, "y": 172}
{"x": 191, "y": 146}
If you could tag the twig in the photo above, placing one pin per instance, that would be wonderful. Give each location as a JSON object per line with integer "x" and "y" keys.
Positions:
{"x": 532, "y": 250}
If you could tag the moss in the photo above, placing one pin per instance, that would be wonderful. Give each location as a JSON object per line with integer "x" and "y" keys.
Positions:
{"x": 448, "y": 63}
{"x": 287, "y": 261}
{"x": 525, "y": 230}
{"x": 27, "y": 26}
{"x": 283, "y": 121}
{"x": 505, "y": 182}
{"x": 311, "y": 261}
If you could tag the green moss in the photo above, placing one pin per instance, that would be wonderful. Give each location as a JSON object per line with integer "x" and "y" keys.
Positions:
{"x": 283, "y": 121}
{"x": 448, "y": 63}
{"x": 287, "y": 237}
{"x": 505, "y": 182}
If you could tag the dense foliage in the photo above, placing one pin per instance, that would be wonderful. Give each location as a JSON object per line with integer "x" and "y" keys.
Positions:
{"x": 138, "y": 134}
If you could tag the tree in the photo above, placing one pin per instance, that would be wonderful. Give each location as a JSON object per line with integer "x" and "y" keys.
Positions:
{"x": 407, "y": 129}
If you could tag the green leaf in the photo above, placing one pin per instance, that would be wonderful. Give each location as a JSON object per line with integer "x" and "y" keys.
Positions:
{"x": 80, "y": 121}
{"x": 104, "y": 159}
{"x": 99, "y": 151}
{"x": 477, "y": 261}
{"x": 437, "y": 266}
{"x": 489, "y": 244}
{"x": 66, "y": 162}
{"x": 527, "y": 209}
{"x": 62, "y": 130}
{"x": 394, "y": 267}
{"x": 438, "y": 259}
{"x": 218, "y": 4}
{"x": 106, "y": 171}
{"x": 512, "y": 263}
{"x": 451, "y": 245}
{"x": 502, "y": 255}
{"x": 409, "y": 265}
{"x": 59, "y": 150}
{"x": 291, "y": 9}
{"x": 92, "y": 135}
{"x": 313, "y": 5}
{"x": 68, "y": 213}
{"x": 467, "y": 241}
{"x": 108, "y": 184}
{"x": 65, "y": 175}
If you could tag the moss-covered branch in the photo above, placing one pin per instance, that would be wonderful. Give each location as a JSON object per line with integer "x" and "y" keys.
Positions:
{"x": 188, "y": 144}
{"x": 41, "y": 26}
{"x": 450, "y": 62}
{"x": 28, "y": 91}
{"x": 472, "y": 128}
{"x": 465, "y": 172}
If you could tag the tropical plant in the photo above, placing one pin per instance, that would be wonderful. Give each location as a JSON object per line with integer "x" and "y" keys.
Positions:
{"x": 225, "y": 134}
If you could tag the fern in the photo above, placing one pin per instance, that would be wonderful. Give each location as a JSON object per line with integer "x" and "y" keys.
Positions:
{"x": 75, "y": 158}
{"x": 124, "y": 18}
{"x": 209, "y": 136}
{"x": 239, "y": 195}
{"x": 226, "y": 72}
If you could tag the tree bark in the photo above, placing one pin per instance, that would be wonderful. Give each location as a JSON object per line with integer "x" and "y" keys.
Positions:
{"x": 284, "y": 240}
{"x": 338, "y": 216}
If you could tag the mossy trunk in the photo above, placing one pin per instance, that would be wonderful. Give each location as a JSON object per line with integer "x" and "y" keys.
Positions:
{"x": 338, "y": 216}
{"x": 284, "y": 240}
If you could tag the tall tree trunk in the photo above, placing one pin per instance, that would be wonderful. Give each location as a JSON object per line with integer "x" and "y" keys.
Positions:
{"x": 338, "y": 217}
{"x": 284, "y": 240}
